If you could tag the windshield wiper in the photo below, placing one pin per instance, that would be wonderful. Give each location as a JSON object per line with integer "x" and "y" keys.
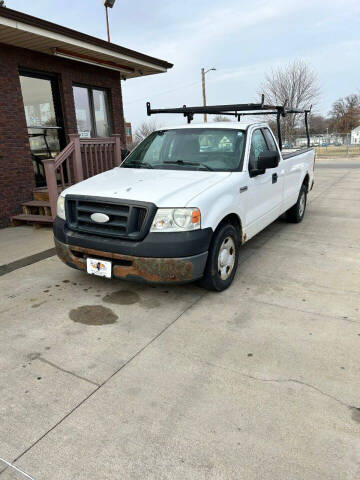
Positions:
{"x": 195, "y": 164}
{"x": 138, "y": 165}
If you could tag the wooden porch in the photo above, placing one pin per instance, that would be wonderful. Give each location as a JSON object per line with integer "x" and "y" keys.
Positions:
{"x": 82, "y": 158}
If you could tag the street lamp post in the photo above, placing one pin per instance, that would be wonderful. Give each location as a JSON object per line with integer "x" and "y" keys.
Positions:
{"x": 203, "y": 73}
{"x": 108, "y": 4}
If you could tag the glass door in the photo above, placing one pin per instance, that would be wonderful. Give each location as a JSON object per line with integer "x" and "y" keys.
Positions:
{"x": 92, "y": 111}
{"x": 43, "y": 119}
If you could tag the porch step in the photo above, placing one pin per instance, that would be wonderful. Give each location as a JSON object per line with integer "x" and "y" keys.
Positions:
{"x": 34, "y": 219}
{"x": 36, "y": 203}
{"x": 36, "y": 207}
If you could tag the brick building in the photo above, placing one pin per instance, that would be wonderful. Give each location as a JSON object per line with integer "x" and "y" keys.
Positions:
{"x": 54, "y": 82}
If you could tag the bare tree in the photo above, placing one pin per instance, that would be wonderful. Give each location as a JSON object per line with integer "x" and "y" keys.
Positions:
{"x": 296, "y": 85}
{"x": 221, "y": 118}
{"x": 319, "y": 124}
{"x": 144, "y": 131}
{"x": 345, "y": 114}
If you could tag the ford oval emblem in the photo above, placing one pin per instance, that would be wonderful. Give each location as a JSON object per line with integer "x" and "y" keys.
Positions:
{"x": 99, "y": 217}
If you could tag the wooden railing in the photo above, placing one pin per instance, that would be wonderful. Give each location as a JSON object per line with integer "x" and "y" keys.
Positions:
{"x": 82, "y": 158}
{"x": 98, "y": 155}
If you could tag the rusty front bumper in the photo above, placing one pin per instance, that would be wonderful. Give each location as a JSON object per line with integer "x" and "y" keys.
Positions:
{"x": 126, "y": 267}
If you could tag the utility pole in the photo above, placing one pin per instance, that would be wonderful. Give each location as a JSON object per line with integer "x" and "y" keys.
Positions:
{"x": 107, "y": 23}
{"x": 108, "y": 4}
{"x": 203, "y": 91}
{"x": 203, "y": 73}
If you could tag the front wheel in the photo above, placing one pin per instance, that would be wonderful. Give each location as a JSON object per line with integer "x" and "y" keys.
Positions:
{"x": 296, "y": 213}
{"x": 222, "y": 260}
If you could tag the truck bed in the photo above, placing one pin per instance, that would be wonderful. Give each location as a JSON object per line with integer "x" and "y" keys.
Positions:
{"x": 292, "y": 152}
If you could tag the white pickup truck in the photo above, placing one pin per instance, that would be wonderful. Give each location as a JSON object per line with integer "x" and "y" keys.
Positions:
{"x": 182, "y": 203}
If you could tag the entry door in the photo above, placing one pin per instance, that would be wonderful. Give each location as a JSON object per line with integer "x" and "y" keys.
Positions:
{"x": 264, "y": 194}
{"x": 43, "y": 119}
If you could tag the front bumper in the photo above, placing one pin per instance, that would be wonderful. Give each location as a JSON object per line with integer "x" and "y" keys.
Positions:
{"x": 158, "y": 258}
{"x": 143, "y": 269}
{"x": 157, "y": 245}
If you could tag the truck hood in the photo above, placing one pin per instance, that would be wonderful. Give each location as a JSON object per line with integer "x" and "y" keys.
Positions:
{"x": 164, "y": 188}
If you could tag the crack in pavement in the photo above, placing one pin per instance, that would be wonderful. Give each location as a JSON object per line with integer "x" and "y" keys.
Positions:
{"x": 306, "y": 311}
{"x": 37, "y": 356}
{"x": 313, "y": 287}
{"x": 273, "y": 380}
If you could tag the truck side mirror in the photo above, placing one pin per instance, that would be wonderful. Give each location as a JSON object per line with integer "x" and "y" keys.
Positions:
{"x": 268, "y": 159}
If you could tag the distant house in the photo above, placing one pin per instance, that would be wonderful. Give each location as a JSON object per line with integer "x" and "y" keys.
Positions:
{"x": 315, "y": 140}
{"x": 355, "y": 135}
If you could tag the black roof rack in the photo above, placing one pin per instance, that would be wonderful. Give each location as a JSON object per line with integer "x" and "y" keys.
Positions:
{"x": 238, "y": 110}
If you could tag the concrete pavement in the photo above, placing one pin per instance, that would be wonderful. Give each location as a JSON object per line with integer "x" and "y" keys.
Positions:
{"x": 19, "y": 242}
{"x": 112, "y": 380}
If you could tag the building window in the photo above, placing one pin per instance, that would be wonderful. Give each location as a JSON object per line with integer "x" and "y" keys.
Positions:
{"x": 128, "y": 131}
{"x": 92, "y": 111}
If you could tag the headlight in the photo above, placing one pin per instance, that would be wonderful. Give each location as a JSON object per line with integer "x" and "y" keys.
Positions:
{"x": 176, "y": 220}
{"x": 60, "y": 208}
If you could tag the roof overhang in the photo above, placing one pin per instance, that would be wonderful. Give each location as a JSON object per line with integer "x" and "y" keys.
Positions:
{"x": 21, "y": 30}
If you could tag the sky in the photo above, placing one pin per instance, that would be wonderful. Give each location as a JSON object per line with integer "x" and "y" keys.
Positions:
{"x": 243, "y": 39}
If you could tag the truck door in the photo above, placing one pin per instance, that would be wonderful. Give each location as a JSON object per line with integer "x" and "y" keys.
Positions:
{"x": 263, "y": 196}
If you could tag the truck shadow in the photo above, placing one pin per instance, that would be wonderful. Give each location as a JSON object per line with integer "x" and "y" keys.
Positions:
{"x": 262, "y": 238}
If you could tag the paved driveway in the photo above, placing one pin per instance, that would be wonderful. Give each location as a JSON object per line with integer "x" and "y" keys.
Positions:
{"x": 108, "y": 380}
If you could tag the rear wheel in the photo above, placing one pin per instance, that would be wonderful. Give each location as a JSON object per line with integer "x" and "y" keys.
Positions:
{"x": 222, "y": 259}
{"x": 296, "y": 213}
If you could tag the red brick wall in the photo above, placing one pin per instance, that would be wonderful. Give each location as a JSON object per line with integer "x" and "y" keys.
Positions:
{"x": 16, "y": 170}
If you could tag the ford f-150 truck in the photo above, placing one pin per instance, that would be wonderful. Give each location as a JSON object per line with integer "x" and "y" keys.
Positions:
{"x": 182, "y": 203}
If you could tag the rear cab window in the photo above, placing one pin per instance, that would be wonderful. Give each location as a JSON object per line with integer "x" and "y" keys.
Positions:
{"x": 269, "y": 140}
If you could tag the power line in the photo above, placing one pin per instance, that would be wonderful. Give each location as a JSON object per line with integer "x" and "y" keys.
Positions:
{"x": 162, "y": 93}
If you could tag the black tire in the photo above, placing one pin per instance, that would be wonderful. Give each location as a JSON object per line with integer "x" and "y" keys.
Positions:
{"x": 296, "y": 213}
{"x": 227, "y": 237}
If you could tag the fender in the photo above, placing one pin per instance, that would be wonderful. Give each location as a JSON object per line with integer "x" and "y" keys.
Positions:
{"x": 220, "y": 201}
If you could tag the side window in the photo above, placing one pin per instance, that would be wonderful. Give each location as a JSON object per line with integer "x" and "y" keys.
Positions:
{"x": 258, "y": 145}
{"x": 270, "y": 140}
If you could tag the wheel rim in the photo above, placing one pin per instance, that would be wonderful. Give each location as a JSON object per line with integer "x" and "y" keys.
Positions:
{"x": 302, "y": 204}
{"x": 226, "y": 258}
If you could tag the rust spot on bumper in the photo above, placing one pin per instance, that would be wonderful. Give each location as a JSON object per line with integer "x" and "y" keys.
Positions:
{"x": 158, "y": 270}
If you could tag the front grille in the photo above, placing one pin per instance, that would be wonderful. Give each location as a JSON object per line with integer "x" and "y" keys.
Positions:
{"x": 128, "y": 219}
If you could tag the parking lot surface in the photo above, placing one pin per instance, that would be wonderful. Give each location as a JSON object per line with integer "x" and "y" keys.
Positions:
{"x": 109, "y": 380}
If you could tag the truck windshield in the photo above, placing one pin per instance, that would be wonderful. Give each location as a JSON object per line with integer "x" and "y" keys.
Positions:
{"x": 189, "y": 149}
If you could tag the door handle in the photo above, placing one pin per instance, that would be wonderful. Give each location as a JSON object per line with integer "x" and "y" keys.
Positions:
{"x": 243, "y": 189}
{"x": 274, "y": 177}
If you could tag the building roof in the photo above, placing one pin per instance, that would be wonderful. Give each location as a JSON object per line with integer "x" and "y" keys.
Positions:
{"x": 25, "y": 31}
